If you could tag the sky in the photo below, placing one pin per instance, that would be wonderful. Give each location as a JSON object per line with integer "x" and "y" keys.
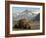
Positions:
{"x": 20, "y": 9}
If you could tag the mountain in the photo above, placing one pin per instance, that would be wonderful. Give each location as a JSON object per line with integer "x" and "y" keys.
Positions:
{"x": 25, "y": 15}
{"x": 37, "y": 17}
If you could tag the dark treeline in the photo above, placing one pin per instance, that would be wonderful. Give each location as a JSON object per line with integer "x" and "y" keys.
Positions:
{"x": 23, "y": 24}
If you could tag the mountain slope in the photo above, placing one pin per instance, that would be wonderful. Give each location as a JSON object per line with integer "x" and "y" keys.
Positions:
{"x": 37, "y": 17}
